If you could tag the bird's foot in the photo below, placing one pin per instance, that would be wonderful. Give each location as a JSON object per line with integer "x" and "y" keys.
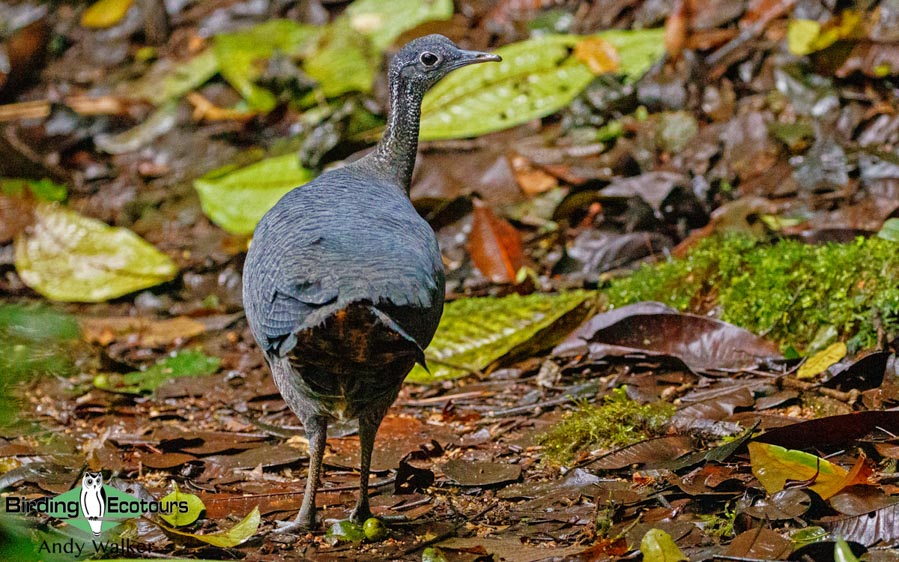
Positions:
{"x": 300, "y": 525}
{"x": 360, "y": 515}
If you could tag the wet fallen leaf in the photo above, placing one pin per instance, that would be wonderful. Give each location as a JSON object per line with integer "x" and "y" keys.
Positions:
{"x": 238, "y": 55}
{"x": 650, "y": 451}
{"x": 774, "y": 466}
{"x": 821, "y": 361}
{"x": 832, "y": 431}
{"x": 142, "y": 332}
{"x": 237, "y": 534}
{"x": 105, "y": 13}
{"x": 658, "y": 546}
{"x": 700, "y": 342}
{"x": 878, "y": 526}
{"x": 237, "y": 199}
{"x": 69, "y": 257}
{"x": 495, "y": 245}
{"x": 342, "y": 61}
{"x": 474, "y": 334}
{"x": 481, "y": 473}
{"x": 536, "y": 78}
{"x": 186, "y": 507}
{"x": 167, "y": 80}
{"x": 761, "y": 543}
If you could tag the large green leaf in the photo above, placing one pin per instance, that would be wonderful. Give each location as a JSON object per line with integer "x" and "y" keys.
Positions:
{"x": 774, "y": 466}
{"x": 382, "y": 21}
{"x": 241, "y": 56}
{"x": 69, "y": 257}
{"x": 658, "y": 546}
{"x": 178, "y": 518}
{"x": 476, "y": 333}
{"x": 237, "y": 199}
{"x": 343, "y": 61}
{"x": 226, "y": 539}
{"x": 166, "y": 80}
{"x": 536, "y": 78}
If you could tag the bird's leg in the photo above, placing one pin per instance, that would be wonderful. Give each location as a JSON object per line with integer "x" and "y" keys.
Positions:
{"x": 317, "y": 433}
{"x": 368, "y": 428}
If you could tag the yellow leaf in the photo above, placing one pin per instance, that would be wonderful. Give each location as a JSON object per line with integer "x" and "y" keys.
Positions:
{"x": 821, "y": 361}
{"x": 774, "y": 466}
{"x": 801, "y": 35}
{"x": 105, "y": 13}
{"x": 599, "y": 55}
{"x": 808, "y": 36}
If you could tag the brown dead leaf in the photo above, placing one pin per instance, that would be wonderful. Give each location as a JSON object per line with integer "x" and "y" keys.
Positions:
{"x": 15, "y": 214}
{"x": 599, "y": 55}
{"x": 495, "y": 245}
{"x": 531, "y": 179}
{"x": 142, "y": 332}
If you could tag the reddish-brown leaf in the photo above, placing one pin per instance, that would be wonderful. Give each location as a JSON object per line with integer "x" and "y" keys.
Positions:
{"x": 495, "y": 245}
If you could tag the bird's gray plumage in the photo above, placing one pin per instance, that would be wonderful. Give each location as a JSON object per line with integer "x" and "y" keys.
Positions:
{"x": 343, "y": 282}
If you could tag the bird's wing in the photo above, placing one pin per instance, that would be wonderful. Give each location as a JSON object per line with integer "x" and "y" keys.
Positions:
{"x": 288, "y": 306}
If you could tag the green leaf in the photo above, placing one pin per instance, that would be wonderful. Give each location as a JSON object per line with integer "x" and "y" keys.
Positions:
{"x": 535, "y": 78}
{"x": 344, "y": 61}
{"x": 890, "y": 230}
{"x": 821, "y": 361}
{"x": 45, "y": 189}
{"x": 69, "y": 257}
{"x": 476, "y": 333}
{"x": 658, "y": 546}
{"x": 166, "y": 80}
{"x": 241, "y": 56}
{"x": 842, "y": 552}
{"x": 179, "y": 518}
{"x": 382, "y": 21}
{"x": 226, "y": 539}
{"x": 774, "y": 466}
{"x": 236, "y": 200}
{"x": 180, "y": 364}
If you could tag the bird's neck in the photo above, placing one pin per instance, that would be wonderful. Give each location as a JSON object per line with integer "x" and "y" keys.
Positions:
{"x": 395, "y": 153}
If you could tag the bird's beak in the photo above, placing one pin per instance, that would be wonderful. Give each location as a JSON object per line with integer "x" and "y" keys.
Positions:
{"x": 474, "y": 57}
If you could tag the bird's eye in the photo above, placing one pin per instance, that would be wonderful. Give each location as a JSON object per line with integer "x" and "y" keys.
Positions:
{"x": 428, "y": 59}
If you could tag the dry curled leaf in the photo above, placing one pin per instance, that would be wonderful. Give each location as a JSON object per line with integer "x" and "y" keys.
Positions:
{"x": 495, "y": 245}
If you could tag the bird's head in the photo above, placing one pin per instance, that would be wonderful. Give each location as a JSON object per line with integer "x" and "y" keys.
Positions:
{"x": 422, "y": 62}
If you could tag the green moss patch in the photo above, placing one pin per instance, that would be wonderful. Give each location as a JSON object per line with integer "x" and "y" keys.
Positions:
{"x": 619, "y": 421}
{"x": 791, "y": 292}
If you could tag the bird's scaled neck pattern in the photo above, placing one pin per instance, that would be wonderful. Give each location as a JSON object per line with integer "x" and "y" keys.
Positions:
{"x": 395, "y": 153}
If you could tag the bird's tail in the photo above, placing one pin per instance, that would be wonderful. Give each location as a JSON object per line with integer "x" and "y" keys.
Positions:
{"x": 393, "y": 326}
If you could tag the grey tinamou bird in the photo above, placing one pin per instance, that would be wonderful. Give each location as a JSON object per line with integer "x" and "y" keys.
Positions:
{"x": 343, "y": 284}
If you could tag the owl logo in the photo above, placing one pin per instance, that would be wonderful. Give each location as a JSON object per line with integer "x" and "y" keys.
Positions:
{"x": 93, "y": 500}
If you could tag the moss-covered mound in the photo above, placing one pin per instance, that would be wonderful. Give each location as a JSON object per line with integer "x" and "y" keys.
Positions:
{"x": 619, "y": 421}
{"x": 794, "y": 293}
